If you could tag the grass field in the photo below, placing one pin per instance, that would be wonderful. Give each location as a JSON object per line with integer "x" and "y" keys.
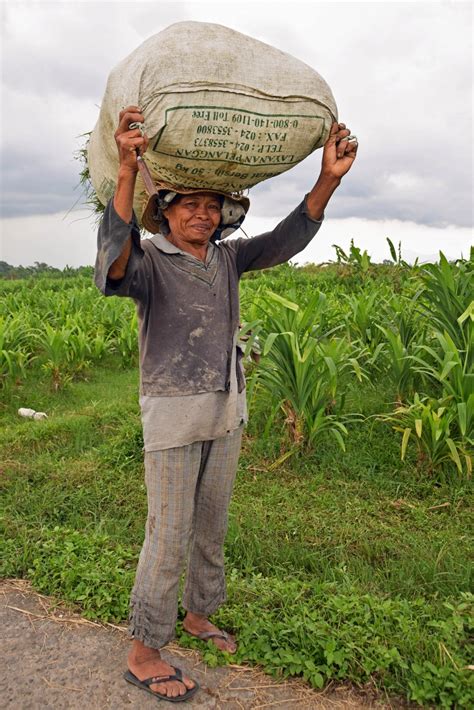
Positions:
{"x": 342, "y": 564}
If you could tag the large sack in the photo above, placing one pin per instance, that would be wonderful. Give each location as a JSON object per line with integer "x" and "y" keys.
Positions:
{"x": 223, "y": 111}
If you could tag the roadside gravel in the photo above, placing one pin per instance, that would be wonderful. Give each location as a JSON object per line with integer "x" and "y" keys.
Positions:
{"x": 55, "y": 659}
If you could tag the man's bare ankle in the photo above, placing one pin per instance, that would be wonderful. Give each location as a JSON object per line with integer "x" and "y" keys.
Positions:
{"x": 191, "y": 617}
{"x": 139, "y": 653}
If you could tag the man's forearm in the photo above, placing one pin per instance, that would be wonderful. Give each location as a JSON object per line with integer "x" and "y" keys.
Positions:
{"x": 320, "y": 195}
{"x": 339, "y": 153}
{"x": 123, "y": 198}
{"x": 123, "y": 204}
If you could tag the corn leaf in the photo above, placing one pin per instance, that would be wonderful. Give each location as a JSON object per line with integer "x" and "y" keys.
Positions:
{"x": 454, "y": 454}
{"x": 418, "y": 427}
{"x": 283, "y": 301}
{"x": 406, "y": 436}
{"x": 393, "y": 253}
{"x": 468, "y": 313}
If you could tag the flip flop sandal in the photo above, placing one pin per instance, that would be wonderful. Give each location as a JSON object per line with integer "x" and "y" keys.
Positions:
{"x": 145, "y": 685}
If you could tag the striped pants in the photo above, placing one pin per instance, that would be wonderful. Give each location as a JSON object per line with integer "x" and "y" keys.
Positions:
{"x": 188, "y": 490}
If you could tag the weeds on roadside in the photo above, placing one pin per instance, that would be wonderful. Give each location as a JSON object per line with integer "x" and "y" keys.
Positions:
{"x": 290, "y": 627}
{"x": 344, "y": 565}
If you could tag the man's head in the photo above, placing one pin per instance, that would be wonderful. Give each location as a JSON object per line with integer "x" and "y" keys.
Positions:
{"x": 233, "y": 208}
{"x": 194, "y": 218}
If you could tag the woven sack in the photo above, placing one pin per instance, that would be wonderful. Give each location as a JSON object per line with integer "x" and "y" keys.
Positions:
{"x": 222, "y": 110}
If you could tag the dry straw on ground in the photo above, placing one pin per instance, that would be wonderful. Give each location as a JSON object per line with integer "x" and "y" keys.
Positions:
{"x": 235, "y": 686}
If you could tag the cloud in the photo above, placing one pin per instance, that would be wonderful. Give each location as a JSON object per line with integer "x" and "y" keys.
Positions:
{"x": 55, "y": 239}
{"x": 70, "y": 239}
{"x": 39, "y": 173}
{"x": 417, "y": 240}
{"x": 400, "y": 73}
{"x": 64, "y": 47}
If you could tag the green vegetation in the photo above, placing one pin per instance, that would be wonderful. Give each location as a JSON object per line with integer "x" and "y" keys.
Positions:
{"x": 350, "y": 527}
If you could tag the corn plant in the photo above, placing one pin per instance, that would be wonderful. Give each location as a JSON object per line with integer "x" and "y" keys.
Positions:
{"x": 80, "y": 351}
{"x": 403, "y": 333}
{"x": 451, "y": 369}
{"x": 13, "y": 352}
{"x": 301, "y": 370}
{"x": 396, "y": 255}
{"x": 55, "y": 347}
{"x": 363, "y": 321}
{"x": 432, "y": 424}
{"x": 446, "y": 298}
{"x": 399, "y": 363}
{"x": 113, "y": 313}
{"x": 356, "y": 258}
{"x": 99, "y": 344}
{"x": 12, "y": 366}
{"x": 126, "y": 341}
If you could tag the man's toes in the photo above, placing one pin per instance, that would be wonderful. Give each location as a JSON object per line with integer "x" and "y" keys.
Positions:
{"x": 171, "y": 690}
{"x": 159, "y": 688}
{"x": 182, "y": 687}
{"x": 230, "y": 646}
{"x": 163, "y": 688}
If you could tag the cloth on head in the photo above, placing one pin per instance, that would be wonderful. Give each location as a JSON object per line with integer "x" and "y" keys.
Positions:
{"x": 233, "y": 210}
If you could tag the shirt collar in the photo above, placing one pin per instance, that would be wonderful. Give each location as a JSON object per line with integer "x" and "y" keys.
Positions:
{"x": 162, "y": 243}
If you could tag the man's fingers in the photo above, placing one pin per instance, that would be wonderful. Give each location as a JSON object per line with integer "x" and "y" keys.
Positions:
{"x": 342, "y": 133}
{"x": 332, "y": 134}
{"x": 344, "y": 140}
{"x": 127, "y": 146}
{"x": 136, "y": 142}
{"x": 129, "y": 109}
{"x": 126, "y": 142}
{"x": 347, "y": 148}
{"x": 341, "y": 147}
{"x": 352, "y": 152}
{"x": 340, "y": 151}
{"x": 337, "y": 133}
{"x": 129, "y": 115}
{"x": 126, "y": 118}
{"x": 144, "y": 146}
{"x": 134, "y": 133}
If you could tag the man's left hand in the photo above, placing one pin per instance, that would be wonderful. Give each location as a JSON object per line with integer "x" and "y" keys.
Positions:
{"x": 339, "y": 153}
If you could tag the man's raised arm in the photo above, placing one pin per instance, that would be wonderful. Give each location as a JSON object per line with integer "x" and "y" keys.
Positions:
{"x": 338, "y": 156}
{"x": 128, "y": 143}
{"x": 295, "y": 232}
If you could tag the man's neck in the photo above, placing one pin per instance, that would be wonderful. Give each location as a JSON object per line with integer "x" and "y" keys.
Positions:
{"x": 196, "y": 249}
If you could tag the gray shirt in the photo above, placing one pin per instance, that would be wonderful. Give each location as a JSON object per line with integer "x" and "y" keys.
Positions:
{"x": 176, "y": 421}
{"x": 188, "y": 311}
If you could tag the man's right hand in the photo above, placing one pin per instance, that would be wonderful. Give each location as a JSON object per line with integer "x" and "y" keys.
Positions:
{"x": 129, "y": 141}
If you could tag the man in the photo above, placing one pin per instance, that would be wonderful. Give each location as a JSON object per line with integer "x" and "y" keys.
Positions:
{"x": 192, "y": 389}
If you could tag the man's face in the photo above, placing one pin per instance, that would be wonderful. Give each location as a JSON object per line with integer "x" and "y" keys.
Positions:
{"x": 193, "y": 218}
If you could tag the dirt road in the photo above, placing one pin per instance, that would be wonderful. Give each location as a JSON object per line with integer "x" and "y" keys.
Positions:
{"x": 54, "y": 659}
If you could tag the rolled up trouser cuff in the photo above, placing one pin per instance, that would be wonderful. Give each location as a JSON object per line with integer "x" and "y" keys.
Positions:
{"x": 197, "y": 606}
{"x": 144, "y": 625}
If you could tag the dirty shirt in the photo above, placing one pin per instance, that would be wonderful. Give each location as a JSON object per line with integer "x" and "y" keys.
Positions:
{"x": 192, "y": 385}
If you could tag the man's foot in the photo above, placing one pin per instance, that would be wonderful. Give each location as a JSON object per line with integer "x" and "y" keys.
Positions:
{"x": 146, "y": 662}
{"x": 201, "y": 627}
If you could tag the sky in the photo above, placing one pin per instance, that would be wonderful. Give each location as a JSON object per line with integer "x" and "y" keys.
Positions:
{"x": 401, "y": 74}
